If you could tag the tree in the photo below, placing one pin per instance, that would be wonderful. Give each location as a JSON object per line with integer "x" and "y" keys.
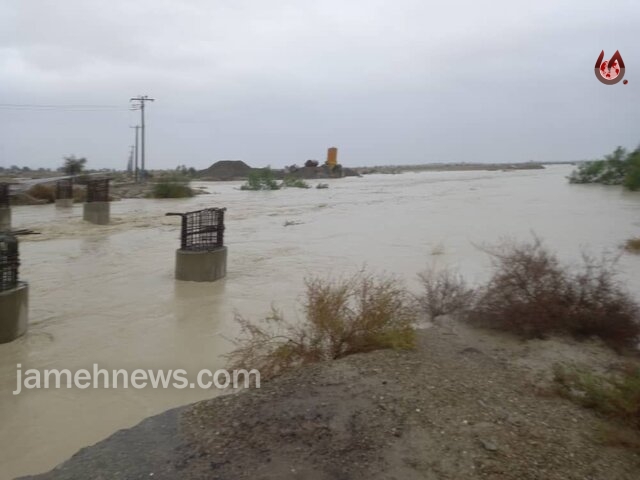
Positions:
{"x": 73, "y": 166}
{"x": 632, "y": 177}
{"x": 619, "y": 168}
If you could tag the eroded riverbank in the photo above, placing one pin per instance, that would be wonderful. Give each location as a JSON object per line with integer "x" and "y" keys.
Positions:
{"x": 464, "y": 404}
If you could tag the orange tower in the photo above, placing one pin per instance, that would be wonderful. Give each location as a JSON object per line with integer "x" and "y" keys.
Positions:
{"x": 332, "y": 157}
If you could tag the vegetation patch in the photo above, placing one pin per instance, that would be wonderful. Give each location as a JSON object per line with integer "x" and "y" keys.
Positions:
{"x": 531, "y": 294}
{"x": 616, "y": 395}
{"x": 171, "y": 190}
{"x": 444, "y": 292}
{"x": 262, "y": 179}
{"x": 294, "y": 182}
{"x": 619, "y": 168}
{"x": 74, "y": 166}
{"x": 633, "y": 245}
{"x": 40, "y": 191}
{"x": 341, "y": 317}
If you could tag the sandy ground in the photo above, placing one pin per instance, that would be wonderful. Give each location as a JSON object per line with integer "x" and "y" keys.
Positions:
{"x": 466, "y": 404}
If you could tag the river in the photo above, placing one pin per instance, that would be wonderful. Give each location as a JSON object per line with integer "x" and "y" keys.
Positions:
{"x": 106, "y": 294}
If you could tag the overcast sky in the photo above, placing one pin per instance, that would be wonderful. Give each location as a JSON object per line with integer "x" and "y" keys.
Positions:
{"x": 279, "y": 81}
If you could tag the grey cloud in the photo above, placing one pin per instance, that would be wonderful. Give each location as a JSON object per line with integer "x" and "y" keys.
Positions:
{"x": 277, "y": 82}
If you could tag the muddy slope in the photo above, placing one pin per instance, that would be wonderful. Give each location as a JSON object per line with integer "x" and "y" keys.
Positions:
{"x": 460, "y": 407}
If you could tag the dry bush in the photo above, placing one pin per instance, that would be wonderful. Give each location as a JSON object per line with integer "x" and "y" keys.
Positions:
{"x": 444, "y": 292}
{"x": 532, "y": 294}
{"x": 342, "y": 317}
{"x": 633, "y": 245}
{"x": 597, "y": 304}
{"x": 41, "y": 191}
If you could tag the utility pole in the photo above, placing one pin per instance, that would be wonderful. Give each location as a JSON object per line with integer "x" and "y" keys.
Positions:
{"x": 141, "y": 99}
{"x": 135, "y": 154}
{"x": 130, "y": 162}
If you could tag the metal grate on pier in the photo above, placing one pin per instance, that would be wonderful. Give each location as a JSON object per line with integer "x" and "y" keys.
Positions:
{"x": 98, "y": 190}
{"x": 202, "y": 230}
{"x": 64, "y": 189}
{"x": 4, "y": 195}
{"x": 9, "y": 262}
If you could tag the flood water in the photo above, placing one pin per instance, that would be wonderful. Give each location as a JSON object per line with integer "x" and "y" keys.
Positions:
{"x": 106, "y": 295}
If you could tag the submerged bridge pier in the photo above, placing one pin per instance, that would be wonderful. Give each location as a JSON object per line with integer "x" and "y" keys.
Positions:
{"x": 64, "y": 193}
{"x": 14, "y": 295}
{"x": 5, "y": 208}
{"x": 97, "y": 208}
{"x": 202, "y": 256}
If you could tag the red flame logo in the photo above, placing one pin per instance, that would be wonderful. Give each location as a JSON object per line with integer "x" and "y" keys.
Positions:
{"x": 610, "y": 71}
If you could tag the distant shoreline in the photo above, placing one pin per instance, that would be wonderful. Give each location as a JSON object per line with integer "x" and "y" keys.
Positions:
{"x": 10, "y": 176}
{"x": 455, "y": 167}
{"x": 242, "y": 173}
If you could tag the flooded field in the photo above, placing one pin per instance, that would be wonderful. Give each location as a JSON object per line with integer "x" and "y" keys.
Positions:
{"x": 106, "y": 295}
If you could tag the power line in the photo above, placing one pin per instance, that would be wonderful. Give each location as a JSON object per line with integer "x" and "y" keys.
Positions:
{"x": 36, "y": 105}
{"x": 32, "y": 107}
{"x": 61, "y": 110}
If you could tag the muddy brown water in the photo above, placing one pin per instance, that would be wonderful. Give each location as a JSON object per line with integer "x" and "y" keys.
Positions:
{"x": 106, "y": 295}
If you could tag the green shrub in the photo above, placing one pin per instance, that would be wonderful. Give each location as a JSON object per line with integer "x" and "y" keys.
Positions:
{"x": 294, "y": 182}
{"x": 589, "y": 172}
{"x": 619, "y": 168}
{"x": 632, "y": 178}
{"x": 171, "y": 190}
{"x": 262, "y": 179}
{"x": 343, "y": 317}
{"x": 616, "y": 395}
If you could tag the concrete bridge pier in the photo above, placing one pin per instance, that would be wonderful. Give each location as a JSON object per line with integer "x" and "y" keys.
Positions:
{"x": 5, "y": 219}
{"x": 64, "y": 202}
{"x": 14, "y": 312}
{"x": 97, "y": 212}
{"x": 201, "y": 266}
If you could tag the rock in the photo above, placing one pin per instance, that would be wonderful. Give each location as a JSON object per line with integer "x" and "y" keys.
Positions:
{"x": 489, "y": 445}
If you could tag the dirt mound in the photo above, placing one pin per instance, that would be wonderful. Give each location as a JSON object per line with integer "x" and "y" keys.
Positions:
{"x": 226, "y": 170}
{"x": 451, "y": 409}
